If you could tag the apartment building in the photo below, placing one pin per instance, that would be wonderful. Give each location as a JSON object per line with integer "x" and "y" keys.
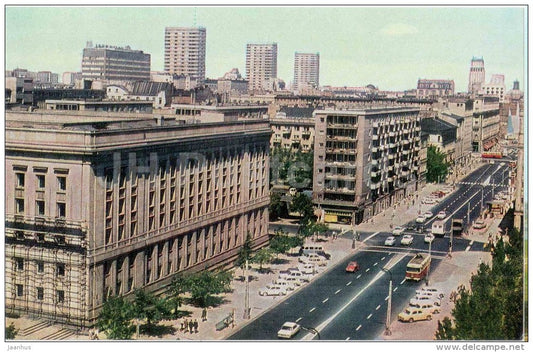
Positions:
{"x": 306, "y": 72}
{"x": 185, "y": 51}
{"x": 365, "y": 160}
{"x": 485, "y": 123}
{"x": 261, "y": 65}
{"x": 293, "y": 128}
{"x": 434, "y": 88}
{"x": 100, "y": 205}
{"x": 110, "y": 64}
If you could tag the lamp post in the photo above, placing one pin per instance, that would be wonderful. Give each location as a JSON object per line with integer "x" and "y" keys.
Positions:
{"x": 429, "y": 265}
{"x": 388, "y": 332}
{"x": 247, "y": 293}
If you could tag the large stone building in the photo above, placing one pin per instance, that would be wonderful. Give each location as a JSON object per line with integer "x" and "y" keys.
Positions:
{"x": 293, "y": 128}
{"x": 185, "y": 51}
{"x": 365, "y": 160}
{"x": 434, "y": 88}
{"x": 477, "y": 75}
{"x": 101, "y": 205}
{"x": 306, "y": 72}
{"x": 261, "y": 65}
{"x": 114, "y": 64}
{"x": 496, "y": 87}
{"x": 485, "y": 123}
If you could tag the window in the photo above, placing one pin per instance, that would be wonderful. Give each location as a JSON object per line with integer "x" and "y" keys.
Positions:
{"x": 19, "y": 205}
{"x": 20, "y": 179}
{"x": 61, "y": 210}
{"x": 20, "y": 290}
{"x": 60, "y": 269}
{"x": 39, "y": 207}
{"x": 40, "y": 266}
{"x": 62, "y": 183}
{"x": 60, "y": 296}
{"x": 41, "y": 181}
{"x": 19, "y": 262}
{"x": 40, "y": 237}
{"x": 40, "y": 293}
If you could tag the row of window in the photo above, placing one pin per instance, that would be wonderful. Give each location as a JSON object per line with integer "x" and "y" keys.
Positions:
{"x": 60, "y": 294}
{"x": 40, "y": 208}
{"x": 40, "y": 181}
{"x": 19, "y": 265}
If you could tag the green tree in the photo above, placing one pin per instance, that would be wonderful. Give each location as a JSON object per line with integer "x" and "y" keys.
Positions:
{"x": 148, "y": 307}
{"x": 115, "y": 319}
{"x": 245, "y": 252}
{"x": 312, "y": 227}
{"x": 303, "y": 205}
{"x": 203, "y": 285}
{"x": 262, "y": 257}
{"x": 444, "y": 330}
{"x": 437, "y": 167}
{"x": 176, "y": 289}
{"x": 277, "y": 207}
{"x": 11, "y": 332}
{"x": 281, "y": 243}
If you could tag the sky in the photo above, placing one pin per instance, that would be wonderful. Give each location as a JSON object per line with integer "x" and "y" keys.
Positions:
{"x": 389, "y": 47}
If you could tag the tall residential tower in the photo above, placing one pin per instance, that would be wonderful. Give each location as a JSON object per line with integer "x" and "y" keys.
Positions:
{"x": 185, "y": 51}
{"x": 477, "y": 75}
{"x": 306, "y": 71}
{"x": 261, "y": 64}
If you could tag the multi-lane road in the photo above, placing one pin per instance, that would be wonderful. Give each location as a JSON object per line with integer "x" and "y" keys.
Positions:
{"x": 353, "y": 306}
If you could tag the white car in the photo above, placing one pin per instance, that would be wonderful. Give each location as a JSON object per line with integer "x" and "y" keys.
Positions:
{"x": 424, "y": 299}
{"x": 441, "y": 215}
{"x": 428, "y": 214}
{"x": 407, "y": 240}
{"x": 429, "y": 291}
{"x": 428, "y": 307}
{"x": 273, "y": 290}
{"x": 313, "y": 258}
{"x": 398, "y": 230}
{"x": 390, "y": 241}
{"x": 428, "y": 238}
{"x": 308, "y": 268}
{"x": 479, "y": 224}
{"x": 421, "y": 219}
{"x": 288, "y": 330}
{"x": 287, "y": 285}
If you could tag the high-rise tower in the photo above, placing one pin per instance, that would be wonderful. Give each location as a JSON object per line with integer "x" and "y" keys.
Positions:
{"x": 306, "y": 71}
{"x": 477, "y": 75}
{"x": 185, "y": 51}
{"x": 261, "y": 64}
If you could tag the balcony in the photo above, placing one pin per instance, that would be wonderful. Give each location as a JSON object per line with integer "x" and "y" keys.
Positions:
{"x": 374, "y": 162}
{"x": 375, "y": 137}
{"x": 375, "y": 173}
{"x": 405, "y": 152}
{"x": 343, "y": 125}
{"x": 374, "y": 149}
{"x": 60, "y": 222}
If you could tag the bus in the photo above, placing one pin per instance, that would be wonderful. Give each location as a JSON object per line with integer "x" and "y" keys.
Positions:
{"x": 438, "y": 228}
{"x": 418, "y": 267}
{"x": 492, "y": 155}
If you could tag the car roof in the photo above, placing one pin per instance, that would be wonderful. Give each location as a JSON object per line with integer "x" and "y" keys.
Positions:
{"x": 290, "y": 324}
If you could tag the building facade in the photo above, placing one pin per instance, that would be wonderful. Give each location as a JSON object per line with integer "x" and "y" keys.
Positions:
{"x": 496, "y": 87}
{"x": 477, "y": 75}
{"x": 261, "y": 65}
{"x": 434, "y": 88}
{"x": 185, "y": 51}
{"x": 99, "y": 206}
{"x": 365, "y": 160}
{"x": 114, "y": 64}
{"x": 306, "y": 72}
{"x": 485, "y": 123}
{"x": 293, "y": 129}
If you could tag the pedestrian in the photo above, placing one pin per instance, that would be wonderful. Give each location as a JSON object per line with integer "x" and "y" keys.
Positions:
{"x": 191, "y": 326}
{"x": 195, "y": 325}
{"x": 204, "y": 314}
{"x": 185, "y": 325}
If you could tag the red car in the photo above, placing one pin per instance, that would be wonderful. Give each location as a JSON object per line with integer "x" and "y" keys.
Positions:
{"x": 352, "y": 267}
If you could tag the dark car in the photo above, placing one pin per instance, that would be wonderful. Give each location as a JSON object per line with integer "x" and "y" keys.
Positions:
{"x": 352, "y": 267}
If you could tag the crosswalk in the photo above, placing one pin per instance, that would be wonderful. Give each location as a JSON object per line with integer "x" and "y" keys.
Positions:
{"x": 482, "y": 184}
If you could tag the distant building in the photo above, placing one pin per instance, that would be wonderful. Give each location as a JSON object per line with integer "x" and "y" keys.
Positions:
{"x": 47, "y": 77}
{"x": 41, "y": 95}
{"x": 442, "y": 135}
{"x": 160, "y": 93}
{"x": 496, "y": 87}
{"x": 100, "y": 106}
{"x": 70, "y": 78}
{"x": 434, "y": 88}
{"x": 261, "y": 65}
{"x": 113, "y": 64}
{"x": 306, "y": 72}
{"x": 293, "y": 128}
{"x": 477, "y": 75}
{"x": 485, "y": 123}
{"x": 20, "y": 90}
{"x": 365, "y": 160}
{"x": 185, "y": 51}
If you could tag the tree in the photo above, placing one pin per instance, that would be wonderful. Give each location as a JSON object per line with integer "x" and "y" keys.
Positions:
{"x": 245, "y": 252}
{"x": 148, "y": 307}
{"x": 303, "y": 205}
{"x": 437, "y": 167}
{"x": 205, "y": 284}
{"x": 176, "y": 288}
{"x": 444, "y": 330}
{"x": 11, "y": 332}
{"x": 115, "y": 319}
{"x": 277, "y": 207}
{"x": 263, "y": 256}
{"x": 312, "y": 227}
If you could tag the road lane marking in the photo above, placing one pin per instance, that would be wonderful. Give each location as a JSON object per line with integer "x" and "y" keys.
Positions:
{"x": 297, "y": 320}
{"x": 383, "y": 258}
{"x": 471, "y": 242}
{"x": 387, "y": 298}
{"x": 369, "y": 316}
{"x": 359, "y": 327}
{"x": 390, "y": 253}
{"x": 395, "y": 289}
{"x": 349, "y": 283}
{"x": 358, "y": 276}
{"x": 312, "y": 309}
{"x": 467, "y": 249}
{"x": 379, "y": 306}
{"x": 347, "y": 338}
{"x": 401, "y": 283}
{"x": 339, "y": 290}
{"x": 324, "y": 301}
{"x": 372, "y": 235}
{"x": 393, "y": 262}
{"x": 367, "y": 270}
{"x": 376, "y": 263}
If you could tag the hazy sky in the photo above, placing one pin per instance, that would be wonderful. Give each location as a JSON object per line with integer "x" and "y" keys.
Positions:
{"x": 391, "y": 47}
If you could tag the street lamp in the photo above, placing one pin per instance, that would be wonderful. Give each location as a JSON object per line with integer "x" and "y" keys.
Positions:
{"x": 247, "y": 294}
{"x": 429, "y": 265}
{"x": 388, "y": 332}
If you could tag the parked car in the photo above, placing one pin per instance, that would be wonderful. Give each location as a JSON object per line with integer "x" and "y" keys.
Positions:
{"x": 432, "y": 291}
{"x": 287, "y": 285}
{"x": 273, "y": 290}
{"x": 441, "y": 215}
{"x": 352, "y": 267}
{"x": 428, "y": 214}
{"x": 288, "y": 330}
{"x": 420, "y": 219}
{"x": 418, "y": 299}
{"x": 308, "y": 268}
{"x": 429, "y": 200}
{"x": 428, "y": 238}
{"x": 407, "y": 240}
{"x": 398, "y": 230}
{"x": 411, "y": 314}
{"x": 479, "y": 224}
{"x": 433, "y": 309}
{"x": 313, "y": 258}
{"x": 390, "y": 241}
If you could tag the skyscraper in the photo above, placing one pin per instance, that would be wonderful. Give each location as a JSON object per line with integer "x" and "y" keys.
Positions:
{"x": 261, "y": 64}
{"x": 185, "y": 51}
{"x": 306, "y": 71}
{"x": 477, "y": 75}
